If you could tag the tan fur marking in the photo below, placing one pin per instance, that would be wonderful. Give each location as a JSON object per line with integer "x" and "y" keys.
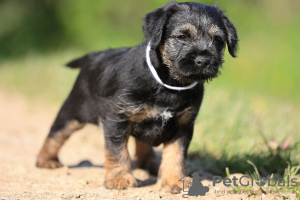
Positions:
{"x": 190, "y": 28}
{"x": 48, "y": 156}
{"x": 213, "y": 30}
{"x": 118, "y": 170}
{"x": 165, "y": 55}
{"x": 173, "y": 166}
{"x": 141, "y": 113}
{"x": 185, "y": 116}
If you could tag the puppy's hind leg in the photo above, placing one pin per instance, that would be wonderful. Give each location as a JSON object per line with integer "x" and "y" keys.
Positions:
{"x": 64, "y": 125}
{"x": 146, "y": 158}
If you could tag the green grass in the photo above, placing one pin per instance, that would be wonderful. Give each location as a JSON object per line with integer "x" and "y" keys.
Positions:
{"x": 239, "y": 120}
{"x": 262, "y": 186}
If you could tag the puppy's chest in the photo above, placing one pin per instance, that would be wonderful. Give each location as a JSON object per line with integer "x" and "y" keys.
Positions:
{"x": 149, "y": 119}
{"x": 146, "y": 113}
{"x": 155, "y": 124}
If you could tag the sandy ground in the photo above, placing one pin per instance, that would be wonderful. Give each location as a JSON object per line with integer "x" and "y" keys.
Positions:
{"x": 23, "y": 128}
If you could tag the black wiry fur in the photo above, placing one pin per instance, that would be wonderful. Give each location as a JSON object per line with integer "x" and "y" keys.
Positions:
{"x": 116, "y": 89}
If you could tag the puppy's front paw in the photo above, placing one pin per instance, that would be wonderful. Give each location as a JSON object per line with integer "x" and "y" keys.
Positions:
{"x": 48, "y": 163}
{"x": 121, "y": 183}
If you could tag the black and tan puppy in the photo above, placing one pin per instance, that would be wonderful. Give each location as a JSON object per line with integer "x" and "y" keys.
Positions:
{"x": 152, "y": 91}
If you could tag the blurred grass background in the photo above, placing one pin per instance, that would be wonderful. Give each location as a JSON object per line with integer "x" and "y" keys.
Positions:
{"x": 255, "y": 102}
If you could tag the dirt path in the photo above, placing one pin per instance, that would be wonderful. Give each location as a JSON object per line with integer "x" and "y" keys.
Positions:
{"x": 22, "y": 131}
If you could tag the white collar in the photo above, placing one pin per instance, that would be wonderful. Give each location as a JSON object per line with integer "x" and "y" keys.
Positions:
{"x": 154, "y": 73}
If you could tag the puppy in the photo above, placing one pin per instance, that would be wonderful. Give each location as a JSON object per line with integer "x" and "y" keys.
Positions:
{"x": 152, "y": 92}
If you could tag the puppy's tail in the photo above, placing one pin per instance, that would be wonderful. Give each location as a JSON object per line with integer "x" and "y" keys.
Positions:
{"x": 78, "y": 63}
{"x": 83, "y": 61}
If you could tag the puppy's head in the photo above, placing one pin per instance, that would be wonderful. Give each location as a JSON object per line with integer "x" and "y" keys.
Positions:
{"x": 191, "y": 38}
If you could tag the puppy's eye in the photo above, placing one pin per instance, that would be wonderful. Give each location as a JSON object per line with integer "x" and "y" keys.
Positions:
{"x": 182, "y": 37}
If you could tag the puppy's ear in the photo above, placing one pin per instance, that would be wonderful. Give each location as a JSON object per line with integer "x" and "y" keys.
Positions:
{"x": 232, "y": 38}
{"x": 155, "y": 21}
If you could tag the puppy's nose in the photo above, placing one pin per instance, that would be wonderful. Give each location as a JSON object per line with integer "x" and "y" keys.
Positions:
{"x": 201, "y": 61}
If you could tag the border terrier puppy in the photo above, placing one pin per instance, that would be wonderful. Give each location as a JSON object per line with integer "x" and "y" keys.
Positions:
{"x": 152, "y": 92}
